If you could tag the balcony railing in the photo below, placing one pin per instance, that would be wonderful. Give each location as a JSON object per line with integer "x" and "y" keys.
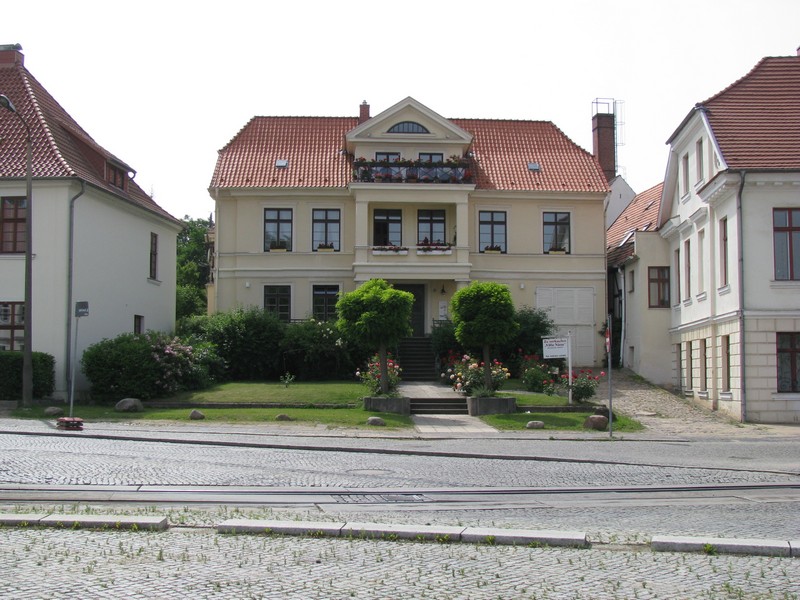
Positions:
{"x": 412, "y": 172}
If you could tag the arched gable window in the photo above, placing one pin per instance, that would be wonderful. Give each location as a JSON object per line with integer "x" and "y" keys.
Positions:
{"x": 408, "y": 127}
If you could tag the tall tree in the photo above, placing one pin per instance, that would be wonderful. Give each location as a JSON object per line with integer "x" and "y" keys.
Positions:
{"x": 192, "y": 267}
{"x": 378, "y": 316}
{"x": 483, "y": 315}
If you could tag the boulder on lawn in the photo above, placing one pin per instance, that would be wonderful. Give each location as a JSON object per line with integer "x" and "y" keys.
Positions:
{"x": 534, "y": 425}
{"x": 596, "y": 422}
{"x": 196, "y": 415}
{"x": 53, "y": 411}
{"x": 129, "y": 405}
{"x": 376, "y": 421}
{"x": 283, "y": 417}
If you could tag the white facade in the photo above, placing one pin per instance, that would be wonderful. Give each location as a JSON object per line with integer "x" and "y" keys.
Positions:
{"x": 728, "y": 306}
{"x": 110, "y": 241}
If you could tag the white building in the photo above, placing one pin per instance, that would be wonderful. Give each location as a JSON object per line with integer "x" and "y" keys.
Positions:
{"x": 97, "y": 237}
{"x": 730, "y": 215}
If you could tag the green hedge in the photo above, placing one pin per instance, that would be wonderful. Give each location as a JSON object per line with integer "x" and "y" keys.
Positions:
{"x": 44, "y": 377}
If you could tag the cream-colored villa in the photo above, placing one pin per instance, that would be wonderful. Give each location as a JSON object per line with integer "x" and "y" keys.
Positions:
{"x": 307, "y": 207}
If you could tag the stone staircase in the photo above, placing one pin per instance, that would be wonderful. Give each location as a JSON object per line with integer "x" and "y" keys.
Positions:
{"x": 417, "y": 360}
{"x": 439, "y": 406}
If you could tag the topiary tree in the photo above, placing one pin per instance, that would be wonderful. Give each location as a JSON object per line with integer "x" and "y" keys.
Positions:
{"x": 378, "y": 316}
{"x": 483, "y": 315}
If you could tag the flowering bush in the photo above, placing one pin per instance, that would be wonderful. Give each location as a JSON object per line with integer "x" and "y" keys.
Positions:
{"x": 371, "y": 375}
{"x": 465, "y": 374}
{"x": 149, "y": 365}
{"x": 584, "y": 385}
{"x": 535, "y": 375}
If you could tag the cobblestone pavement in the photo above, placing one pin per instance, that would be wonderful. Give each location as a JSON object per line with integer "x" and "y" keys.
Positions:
{"x": 683, "y": 444}
{"x": 198, "y": 563}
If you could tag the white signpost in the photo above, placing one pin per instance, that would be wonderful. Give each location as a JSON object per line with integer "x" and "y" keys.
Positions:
{"x": 560, "y": 347}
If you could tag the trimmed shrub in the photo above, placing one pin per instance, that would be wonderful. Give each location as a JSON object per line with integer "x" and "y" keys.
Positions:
{"x": 44, "y": 377}
{"x": 248, "y": 340}
{"x": 314, "y": 350}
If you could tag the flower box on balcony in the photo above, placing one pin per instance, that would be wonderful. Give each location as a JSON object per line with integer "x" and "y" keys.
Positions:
{"x": 492, "y": 251}
{"x": 389, "y": 250}
{"x": 434, "y": 250}
{"x": 323, "y": 249}
{"x": 551, "y": 251}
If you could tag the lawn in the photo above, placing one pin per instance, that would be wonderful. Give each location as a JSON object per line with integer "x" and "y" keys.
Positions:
{"x": 566, "y": 421}
{"x": 266, "y": 392}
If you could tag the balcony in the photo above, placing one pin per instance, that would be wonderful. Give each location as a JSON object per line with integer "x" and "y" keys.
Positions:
{"x": 408, "y": 171}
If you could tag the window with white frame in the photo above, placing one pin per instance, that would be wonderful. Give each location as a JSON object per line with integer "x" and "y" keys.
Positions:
{"x": 786, "y": 242}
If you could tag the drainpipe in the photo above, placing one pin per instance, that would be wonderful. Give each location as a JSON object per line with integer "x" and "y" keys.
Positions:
{"x": 70, "y": 252}
{"x": 742, "y": 345}
{"x": 622, "y": 319}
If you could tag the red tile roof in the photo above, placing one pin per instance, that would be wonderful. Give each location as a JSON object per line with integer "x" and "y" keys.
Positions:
{"x": 640, "y": 215}
{"x": 61, "y": 148}
{"x": 756, "y": 120}
{"x": 313, "y": 146}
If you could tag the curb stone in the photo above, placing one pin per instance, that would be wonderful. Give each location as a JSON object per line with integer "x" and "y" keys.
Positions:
{"x": 752, "y": 547}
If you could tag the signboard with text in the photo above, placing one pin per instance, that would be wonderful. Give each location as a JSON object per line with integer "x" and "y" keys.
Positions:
{"x": 556, "y": 347}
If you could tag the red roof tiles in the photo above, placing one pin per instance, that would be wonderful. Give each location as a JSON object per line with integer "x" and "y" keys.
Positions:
{"x": 61, "y": 148}
{"x": 756, "y": 120}
{"x": 640, "y": 215}
{"x": 314, "y": 148}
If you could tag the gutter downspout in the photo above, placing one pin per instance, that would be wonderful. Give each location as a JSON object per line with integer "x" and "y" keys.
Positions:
{"x": 623, "y": 317}
{"x": 70, "y": 253}
{"x": 742, "y": 345}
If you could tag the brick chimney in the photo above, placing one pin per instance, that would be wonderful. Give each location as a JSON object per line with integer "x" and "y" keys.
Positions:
{"x": 363, "y": 112}
{"x": 11, "y": 55}
{"x": 604, "y": 145}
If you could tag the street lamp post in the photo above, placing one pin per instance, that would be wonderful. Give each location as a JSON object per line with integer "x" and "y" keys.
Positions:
{"x": 27, "y": 356}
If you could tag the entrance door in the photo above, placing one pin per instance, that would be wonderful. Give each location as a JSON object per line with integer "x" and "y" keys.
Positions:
{"x": 417, "y": 309}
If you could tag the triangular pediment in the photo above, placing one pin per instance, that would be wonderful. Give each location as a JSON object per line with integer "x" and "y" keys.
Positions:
{"x": 427, "y": 127}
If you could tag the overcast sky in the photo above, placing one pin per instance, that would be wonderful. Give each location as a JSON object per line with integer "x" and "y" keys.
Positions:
{"x": 164, "y": 85}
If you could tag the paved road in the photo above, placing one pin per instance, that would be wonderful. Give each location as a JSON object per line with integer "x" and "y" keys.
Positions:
{"x": 683, "y": 446}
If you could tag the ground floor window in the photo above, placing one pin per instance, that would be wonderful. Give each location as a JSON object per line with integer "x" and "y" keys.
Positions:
{"x": 324, "y": 302}
{"x": 689, "y": 365}
{"x": 726, "y": 362}
{"x": 788, "y": 362}
{"x": 138, "y": 324}
{"x": 12, "y": 325}
{"x": 278, "y": 300}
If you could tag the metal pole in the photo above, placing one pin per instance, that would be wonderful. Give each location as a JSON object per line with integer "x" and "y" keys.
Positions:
{"x": 569, "y": 364}
{"x": 72, "y": 368}
{"x": 610, "y": 395}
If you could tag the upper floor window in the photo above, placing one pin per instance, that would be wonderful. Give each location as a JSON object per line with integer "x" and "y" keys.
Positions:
{"x": 324, "y": 302}
{"x": 685, "y": 175}
{"x": 116, "y": 176}
{"x": 431, "y": 157}
{"x": 723, "y": 251}
{"x": 676, "y": 261}
{"x": 658, "y": 287}
{"x": 387, "y": 156}
{"x": 687, "y": 270}
{"x": 492, "y": 230}
{"x": 699, "y": 164}
{"x": 326, "y": 228}
{"x": 278, "y": 300}
{"x": 153, "y": 256}
{"x": 430, "y": 227}
{"x": 13, "y": 213}
{"x": 387, "y": 227}
{"x": 788, "y": 362}
{"x": 786, "y": 240}
{"x": 12, "y": 325}
{"x": 408, "y": 127}
{"x": 277, "y": 229}
{"x": 556, "y": 232}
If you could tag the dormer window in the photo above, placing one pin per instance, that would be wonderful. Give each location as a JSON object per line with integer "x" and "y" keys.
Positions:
{"x": 116, "y": 176}
{"x": 408, "y": 127}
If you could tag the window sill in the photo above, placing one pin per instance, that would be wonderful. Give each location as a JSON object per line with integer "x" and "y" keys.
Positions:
{"x": 277, "y": 250}
{"x": 701, "y": 297}
{"x": 688, "y": 393}
{"x": 325, "y": 250}
{"x": 726, "y": 395}
{"x": 703, "y": 394}
{"x": 787, "y": 284}
{"x": 786, "y": 396}
{"x": 390, "y": 252}
{"x": 440, "y": 252}
{"x": 154, "y": 281}
{"x": 687, "y": 302}
{"x": 491, "y": 252}
{"x": 724, "y": 290}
